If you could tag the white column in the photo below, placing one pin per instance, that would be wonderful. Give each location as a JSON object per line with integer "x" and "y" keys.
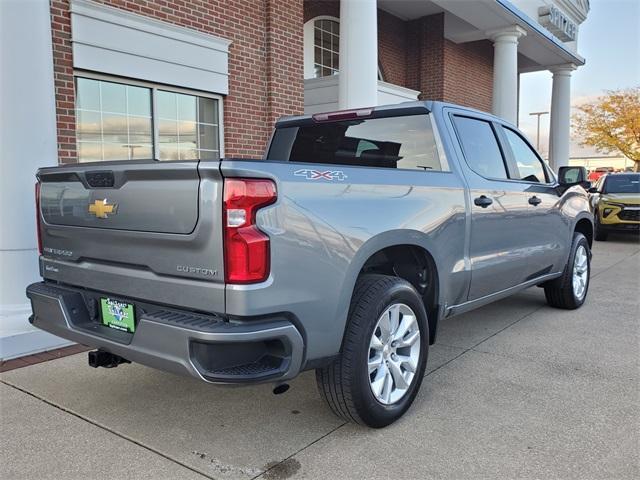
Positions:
{"x": 505, "y": 71}
{"x": 559, "y": 130}
{"x": 27, "y": 141}
{"x": 358, "y": 81}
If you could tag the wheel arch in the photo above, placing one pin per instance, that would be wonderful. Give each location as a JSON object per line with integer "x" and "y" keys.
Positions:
{"x": 406, "y": 254}
{"x": 584, "y": 225}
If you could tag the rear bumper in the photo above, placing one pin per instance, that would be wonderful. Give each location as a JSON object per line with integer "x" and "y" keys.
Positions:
{"x": 202, "y": 346}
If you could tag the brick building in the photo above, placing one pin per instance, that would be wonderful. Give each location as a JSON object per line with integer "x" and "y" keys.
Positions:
{"x": 105, "y": 80}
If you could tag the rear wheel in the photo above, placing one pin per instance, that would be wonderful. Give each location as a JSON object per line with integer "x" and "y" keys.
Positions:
{"x": 384, "y": 353}
{"x": 570, "y": 290}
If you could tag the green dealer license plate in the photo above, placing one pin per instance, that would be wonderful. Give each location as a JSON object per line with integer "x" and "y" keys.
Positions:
{"x": 118, "y": 315}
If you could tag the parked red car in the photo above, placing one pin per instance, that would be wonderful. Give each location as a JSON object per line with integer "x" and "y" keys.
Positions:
{"x": 595, "y": 175}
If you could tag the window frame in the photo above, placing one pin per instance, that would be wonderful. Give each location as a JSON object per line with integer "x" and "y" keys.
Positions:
{"x": 154, "y": 87}
{"x": 512, "y": 162}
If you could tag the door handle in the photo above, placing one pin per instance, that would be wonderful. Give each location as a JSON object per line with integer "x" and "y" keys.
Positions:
{"x": 535, "y": 201}
{"x": 482, "y": 201}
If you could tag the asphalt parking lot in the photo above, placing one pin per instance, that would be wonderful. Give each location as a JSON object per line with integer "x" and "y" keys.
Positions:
{"x": 513, "y": 390}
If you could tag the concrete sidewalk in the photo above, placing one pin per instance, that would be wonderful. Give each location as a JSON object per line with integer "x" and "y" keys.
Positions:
{"x": 514, "y": 390}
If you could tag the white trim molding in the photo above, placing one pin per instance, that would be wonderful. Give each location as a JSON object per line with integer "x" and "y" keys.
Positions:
{"x": 321, "y": 94}
{"x": 389, "y": 93}
{"x": 113, "y": 41}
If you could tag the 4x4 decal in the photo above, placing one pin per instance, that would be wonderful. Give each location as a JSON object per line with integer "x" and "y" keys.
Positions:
{"x": 320, "y": 175}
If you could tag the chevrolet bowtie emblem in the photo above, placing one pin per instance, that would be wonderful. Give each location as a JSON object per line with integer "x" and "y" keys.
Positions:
{"x": 101, "y": 208}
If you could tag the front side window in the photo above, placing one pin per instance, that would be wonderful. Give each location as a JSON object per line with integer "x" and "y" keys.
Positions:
{"x": 480, "y": 147}
{"x": 405, "y": 142}
{"x": 529, "y": 166}
{"x": 116, "y": 121}
{"x": 326, "y": 47}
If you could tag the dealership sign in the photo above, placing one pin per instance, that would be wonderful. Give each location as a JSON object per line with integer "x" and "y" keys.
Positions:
{"x": 557, "y": 22}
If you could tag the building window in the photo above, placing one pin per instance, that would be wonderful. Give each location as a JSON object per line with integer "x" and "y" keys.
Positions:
{"x": 326, "y": 41}
{"x": 113, "y": 121}
{"x": 117, "y": 121}
{"x": 187, "y": 126}
{"x": 322, "y": 48}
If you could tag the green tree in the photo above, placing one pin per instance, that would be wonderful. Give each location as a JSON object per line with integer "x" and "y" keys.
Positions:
{"x": 612, "y": 123}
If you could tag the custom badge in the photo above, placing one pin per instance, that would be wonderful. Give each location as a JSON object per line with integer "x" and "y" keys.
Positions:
{"x": 102, "y": 209}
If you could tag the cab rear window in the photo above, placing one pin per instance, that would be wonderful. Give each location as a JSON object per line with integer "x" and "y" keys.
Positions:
{"x": 404, "y": 142}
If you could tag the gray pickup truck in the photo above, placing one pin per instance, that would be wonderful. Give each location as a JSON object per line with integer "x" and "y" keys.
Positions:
{"x": 341, "y": 250}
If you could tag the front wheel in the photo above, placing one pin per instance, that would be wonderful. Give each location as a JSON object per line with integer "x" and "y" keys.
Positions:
{"x": 384, "y": 353}
{"x": 600, "y": 233}
{"x": 570, "y": 290}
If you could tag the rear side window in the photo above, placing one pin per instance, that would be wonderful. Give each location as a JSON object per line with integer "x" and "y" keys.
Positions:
{"x": 480, "y": 147}
{"x": 529, "y": 165}
{"x": 405, "y": 142}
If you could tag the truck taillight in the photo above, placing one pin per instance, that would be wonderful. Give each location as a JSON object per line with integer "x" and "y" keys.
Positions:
{"x": 38, "y": 218}
{"x": 246, "y": 247}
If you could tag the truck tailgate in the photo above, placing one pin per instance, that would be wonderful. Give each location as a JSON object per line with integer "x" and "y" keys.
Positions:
{"x": 147, "y": 230}
{"x": 160, "y": 198}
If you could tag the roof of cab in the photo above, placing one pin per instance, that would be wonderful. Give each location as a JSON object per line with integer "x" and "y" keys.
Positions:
{"x": 380, "y": 111}
{"x": 377, "y": 111}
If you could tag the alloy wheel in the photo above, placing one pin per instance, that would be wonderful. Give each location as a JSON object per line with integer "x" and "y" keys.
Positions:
{"x": 394, "y": 353}
{"x": 580, "y": 272}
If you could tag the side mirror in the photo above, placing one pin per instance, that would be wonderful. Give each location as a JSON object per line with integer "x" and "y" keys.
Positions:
{"x": 592, "y": 190}
{"x": 573, "y": 176}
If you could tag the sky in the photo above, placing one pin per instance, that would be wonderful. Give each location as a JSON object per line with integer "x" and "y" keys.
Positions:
{"x": 609, "y": 40}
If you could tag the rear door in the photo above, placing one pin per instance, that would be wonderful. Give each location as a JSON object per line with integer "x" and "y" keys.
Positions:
{"x": 150, "y": 230}
{"x": 498, "y": 209}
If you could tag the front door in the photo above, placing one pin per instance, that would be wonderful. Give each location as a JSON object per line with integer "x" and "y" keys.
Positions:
{"x": 547, "y": 229}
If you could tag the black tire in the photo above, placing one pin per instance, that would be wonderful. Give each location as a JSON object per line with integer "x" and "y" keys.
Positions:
{"x": 600, "y": 234}
{"x": 344, "y": 384}
{"x": 560, "y": 292}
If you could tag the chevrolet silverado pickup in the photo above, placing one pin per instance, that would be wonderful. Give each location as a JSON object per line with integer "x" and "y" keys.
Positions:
{"x": 341, "y": 251}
